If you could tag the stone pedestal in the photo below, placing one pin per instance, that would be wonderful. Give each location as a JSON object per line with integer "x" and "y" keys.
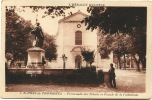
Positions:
{"x": 106, "y": 78}
{"x": 36, "y": 56}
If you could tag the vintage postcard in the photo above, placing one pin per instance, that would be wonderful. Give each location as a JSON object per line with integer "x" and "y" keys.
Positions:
{"x": 76, "y": 49}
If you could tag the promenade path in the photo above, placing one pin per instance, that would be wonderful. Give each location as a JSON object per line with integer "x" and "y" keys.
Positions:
{"x": 128, "y": 81}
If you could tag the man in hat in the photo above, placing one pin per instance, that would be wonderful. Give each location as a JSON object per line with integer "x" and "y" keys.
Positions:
{"x": 112, "y": 76}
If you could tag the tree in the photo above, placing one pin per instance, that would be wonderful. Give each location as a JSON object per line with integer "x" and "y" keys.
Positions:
{"x": 52, "y": 11}
{"x": 50, "y": 47}
{"x": 104, "y": 47}
{"x": 88, "y": 56}
{"x": 125, "y": 20}
{"x": 117, "y": 19}
{"x": 118, "y": 44}
{"x": 139, "y": 48}
{"x": 17, "y": 31}
{"x": 18, "y": 37}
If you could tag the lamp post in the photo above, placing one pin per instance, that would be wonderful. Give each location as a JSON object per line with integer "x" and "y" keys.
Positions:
{"x": 64, "y": 61}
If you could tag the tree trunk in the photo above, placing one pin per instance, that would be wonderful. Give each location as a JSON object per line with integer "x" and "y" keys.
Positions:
{"x": 124, "y": 61}
{"x": 131, "y": 61}
{"x": 12, "y": 63}
{"x": 90, "y": 64}
{"x": 136, "y": 63}
{"x": 86, "y": 64}
{"x": 143, "y": 62}
{"x": 119, "y": 64}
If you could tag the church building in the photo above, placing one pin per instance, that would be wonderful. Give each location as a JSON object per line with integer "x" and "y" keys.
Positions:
{"x": 71, "y": 37}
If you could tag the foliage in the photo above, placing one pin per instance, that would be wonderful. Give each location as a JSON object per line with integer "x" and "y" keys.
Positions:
{"x": 117, "y": 19}
{"x": 119, "y": 44}
{"x": 18, "y": 38}
{"x": 52, "y": 11}
{"x": 105, "y": 43}
{"x": 14, "y": 38}
{"x": 86, "y": 69}
{"x": 9, "y": 56}
{"x": 88, "y": 55}
{"x": 50, "y": 47}
{"x": 124, "y": 20}
{"x": 139, "y": 45}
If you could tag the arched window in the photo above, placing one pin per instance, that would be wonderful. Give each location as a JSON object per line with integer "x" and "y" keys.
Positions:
{"x": 78, "y": 38}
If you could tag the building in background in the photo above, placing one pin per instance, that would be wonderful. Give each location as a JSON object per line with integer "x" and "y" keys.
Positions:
{"x": 71, "y": 37}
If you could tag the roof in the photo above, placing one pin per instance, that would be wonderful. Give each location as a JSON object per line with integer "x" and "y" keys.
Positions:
{"x": 72, "y": 15}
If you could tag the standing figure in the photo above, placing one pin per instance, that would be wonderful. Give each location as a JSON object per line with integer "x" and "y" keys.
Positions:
{"x": 39, "y": 37}
{"x": 112, "y": 76}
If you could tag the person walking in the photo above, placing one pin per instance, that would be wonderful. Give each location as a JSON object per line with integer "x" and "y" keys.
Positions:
{"x": 112, "y": 76}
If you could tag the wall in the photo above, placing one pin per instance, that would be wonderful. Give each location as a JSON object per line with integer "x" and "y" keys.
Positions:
{"x": 66, "y": 42}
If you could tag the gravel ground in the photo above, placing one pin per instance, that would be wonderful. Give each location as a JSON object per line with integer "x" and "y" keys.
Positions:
{"x": 128, "y": 81}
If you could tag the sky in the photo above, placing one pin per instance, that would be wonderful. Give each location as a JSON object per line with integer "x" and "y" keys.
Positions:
{"x": 48, "y": 24}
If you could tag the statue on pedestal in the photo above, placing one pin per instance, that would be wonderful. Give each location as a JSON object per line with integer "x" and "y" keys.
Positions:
{"x": 36, "y": 55}
{"x": 39, "y": 37}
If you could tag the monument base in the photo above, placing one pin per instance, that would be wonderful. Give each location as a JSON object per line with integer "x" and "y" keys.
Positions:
{"x": 36, "y": 57}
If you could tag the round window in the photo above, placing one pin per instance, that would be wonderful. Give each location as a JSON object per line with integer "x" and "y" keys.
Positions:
{"x": 78, "y": 26}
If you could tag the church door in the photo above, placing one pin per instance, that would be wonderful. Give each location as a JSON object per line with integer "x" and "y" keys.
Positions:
{"x": 78, "y": 62}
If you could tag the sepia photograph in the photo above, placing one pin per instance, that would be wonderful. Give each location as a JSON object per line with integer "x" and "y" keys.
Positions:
{"x": 81, "y": 49}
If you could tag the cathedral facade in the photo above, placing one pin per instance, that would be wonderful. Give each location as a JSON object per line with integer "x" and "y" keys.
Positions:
{"x": 71, "y": 37}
